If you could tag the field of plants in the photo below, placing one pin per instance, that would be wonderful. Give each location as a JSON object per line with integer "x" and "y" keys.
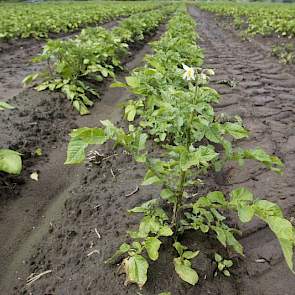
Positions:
{"x": 25, "y": 20}
{"x": 146, "y": 148}
{"x": 258, "y": 18}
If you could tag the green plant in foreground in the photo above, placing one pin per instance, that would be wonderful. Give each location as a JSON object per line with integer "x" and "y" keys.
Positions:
{"x": 222, "y": 265}
{"x": 174, "y": 109}
{"x": 10, "y": 161}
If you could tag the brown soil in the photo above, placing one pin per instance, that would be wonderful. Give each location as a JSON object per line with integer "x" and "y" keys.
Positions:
{"x": 264, "y": 43}
{"x": 80, "y": 199}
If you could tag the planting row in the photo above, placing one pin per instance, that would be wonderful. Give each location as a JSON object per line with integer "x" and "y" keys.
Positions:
{"x": 27, "y": 20}
{"x": 258, "y": 18}
{"x": 74, "y": 66}
{"x": 173, "y": 112}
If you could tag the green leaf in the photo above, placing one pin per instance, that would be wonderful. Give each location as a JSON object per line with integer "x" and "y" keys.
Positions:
{"x": 204, "y": 228}
{"x": 270, "y": 161}
{"x": 90, "y": 135}
{"x": 240, "y": 196}
{"x": 246, "y": 213}
{"x": 150, "y": 178}
{"x": 236, "y": 130}
{"x": 218, "y": 258}
{"x": 148, "y": 224}
{"x": 190, "y": 254}
{"x": 136, "y": 270}
{"x": 265, "y": 209}
{"x": 284, "y": 231}
{"x": 30, "y": 78}
{"x": 232, "y": 241}
{"x": 185, "y": 272}
{"x": 165, "y": 231}
{"x": 76, "y": 151}
{"x": 221, "y": 236}
{"x": 216, "y": 197}
{"x": 228, "y": 263}
{"x": 122, "y": 250}
{"x": 168, "y": 195}
{"x": 42, "y": 87}
{"x": 118, "y": 84}
{"x": 221, "y": 266}
{"x": 179, "y": 248}
{"x": 144, "y": 207}
{"x": 213, "y": 134}
{"x": 133, "y": 82}
{"x": 152, "y": 245}
{"x": 38, "y": 152}
{"x": 5, "y": 106}
{"x": 226, "y": 273}
{"x": 130, "y": 112}
{"x": 10, "y": 161}
{"x": 165, "y": 293}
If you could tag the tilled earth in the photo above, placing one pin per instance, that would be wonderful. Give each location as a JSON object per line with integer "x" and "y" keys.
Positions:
{"x": 252, "y": 85}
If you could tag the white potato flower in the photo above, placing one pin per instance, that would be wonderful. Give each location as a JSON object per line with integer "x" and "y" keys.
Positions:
{"x": 189, "y": 73}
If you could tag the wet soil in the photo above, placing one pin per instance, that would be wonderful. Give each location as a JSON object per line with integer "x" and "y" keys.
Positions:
{"x": 94, "y": 198}
{"x": 264, "y": 43}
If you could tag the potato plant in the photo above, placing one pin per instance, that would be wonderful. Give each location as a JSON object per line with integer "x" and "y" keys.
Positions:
{"x": 174, "y": 109}
{"x": 74, "y": 65}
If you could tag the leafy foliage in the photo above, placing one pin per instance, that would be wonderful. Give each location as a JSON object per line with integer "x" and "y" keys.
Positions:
{"x": 258, "y": 18}
{"x": 174, "y": 108}
{"x": 285, "y": 53}
{"x": 74, "y": 65}
{"x": 25, "y": 20}
{"x": 5, "y": 106}
{"x": 10, "y": 161}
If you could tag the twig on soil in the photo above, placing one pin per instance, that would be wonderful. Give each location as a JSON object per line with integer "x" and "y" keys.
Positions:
{"x": 133, "y": 192}
{"x": 98, "y": 234}
{"x": 110, "y": 156}
{"x": 261, "y": 260}
{"x": 92, "y": 252}
{"x": 113, "y": 174}
{"x": 31, "y": 279}
{"x": 95, "y": 157}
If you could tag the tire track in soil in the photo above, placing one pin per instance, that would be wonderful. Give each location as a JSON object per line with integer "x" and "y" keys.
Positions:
{"x": 16, "y": 60}
{"x": 25, "y": 213}
{"x": 265, "y": 99}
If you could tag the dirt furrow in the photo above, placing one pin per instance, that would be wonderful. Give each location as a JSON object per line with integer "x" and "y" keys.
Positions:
{"x": 264, "y": 96}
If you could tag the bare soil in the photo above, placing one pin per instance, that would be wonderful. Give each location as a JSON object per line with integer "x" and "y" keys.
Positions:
{"x": 69, "y": 203}
{"x": 264, "y": 43}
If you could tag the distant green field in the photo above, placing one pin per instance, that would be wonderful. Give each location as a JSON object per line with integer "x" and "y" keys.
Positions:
{"x": 259, "y": 18}
{"x": 23, "y": 20}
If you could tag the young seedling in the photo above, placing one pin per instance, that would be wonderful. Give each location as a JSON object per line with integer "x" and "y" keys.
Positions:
{"x": 223, "y": 265}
